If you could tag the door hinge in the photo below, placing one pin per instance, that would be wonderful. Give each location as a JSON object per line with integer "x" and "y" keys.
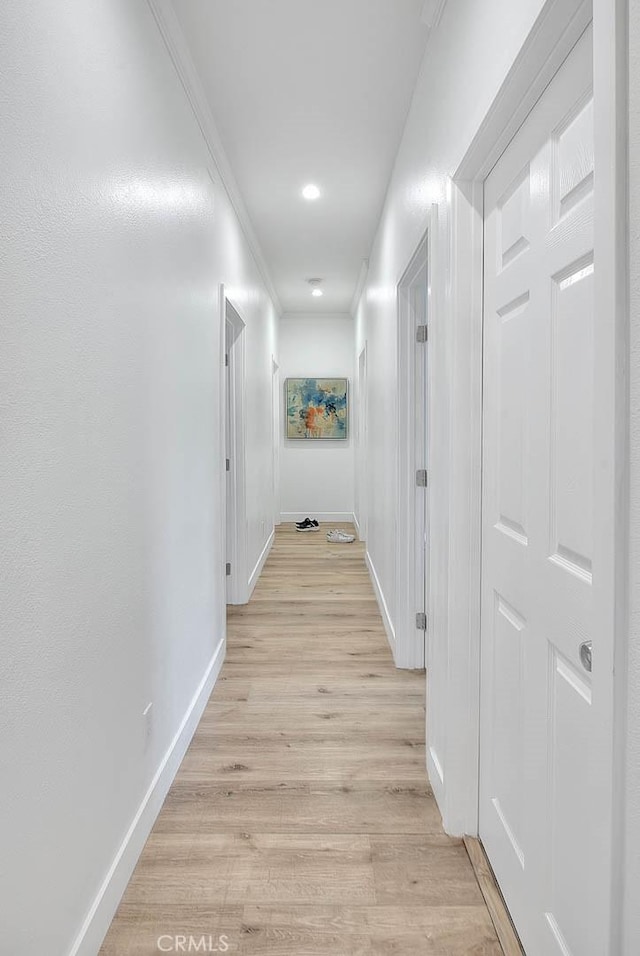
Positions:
{"x": 421, "y": 621}
{"x": 422, "y": 479}
{"x": 226, "y": 359}
{"x": 422, "y": 333}
{"x": 228, "y": 568}
{"x": 228, "y": 464}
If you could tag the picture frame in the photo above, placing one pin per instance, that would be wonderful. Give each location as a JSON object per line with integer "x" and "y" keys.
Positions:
{"x": 317, "y": 409}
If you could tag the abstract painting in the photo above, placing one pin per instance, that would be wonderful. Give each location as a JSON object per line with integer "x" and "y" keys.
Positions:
{"x": 317, "y": 408}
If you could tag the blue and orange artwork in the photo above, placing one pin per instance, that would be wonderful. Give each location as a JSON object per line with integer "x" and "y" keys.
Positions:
{"x": 317, "y": 408}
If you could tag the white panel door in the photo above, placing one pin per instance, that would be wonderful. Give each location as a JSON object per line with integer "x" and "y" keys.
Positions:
{"x": 538, "y": 519}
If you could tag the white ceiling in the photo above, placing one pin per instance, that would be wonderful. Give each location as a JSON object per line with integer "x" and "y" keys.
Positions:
{"x": 309, "y": 91}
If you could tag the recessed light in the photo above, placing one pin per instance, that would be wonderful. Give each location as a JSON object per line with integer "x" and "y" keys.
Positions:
{"x": 311, "y": 192}
{"x": 317, "y": 293}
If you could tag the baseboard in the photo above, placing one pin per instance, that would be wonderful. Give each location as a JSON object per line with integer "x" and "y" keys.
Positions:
{"x": 103, "y": 908}
{"x": 257, "y": 571}
{"x": 337, "y": 517}
{"x": 500, "y": 916}
{"x": 382, "y": 603}
{"x": 360, "y": 531}
{"x": 435, "y": 773}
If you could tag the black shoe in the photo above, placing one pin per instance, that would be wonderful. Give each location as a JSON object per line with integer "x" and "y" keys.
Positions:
{"x": 309, "y": 524}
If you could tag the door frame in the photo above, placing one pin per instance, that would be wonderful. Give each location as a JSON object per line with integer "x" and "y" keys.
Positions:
{"x": 276, "y": 423}
{"x": 554, "y": 34}
{"x": 361, "y": 446}
{"x": 409, "y": 650}
{"x": 237, "y": 582}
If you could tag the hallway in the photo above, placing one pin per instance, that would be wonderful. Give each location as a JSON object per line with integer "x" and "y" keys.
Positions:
{"x": 301, "y": 821}
{"x": 376, "y": 262}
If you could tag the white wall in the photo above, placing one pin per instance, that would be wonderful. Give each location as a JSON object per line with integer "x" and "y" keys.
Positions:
{"x": 485, "y": 37}
{"x": 316, "y": 478}
{"x": 114, "y": 243}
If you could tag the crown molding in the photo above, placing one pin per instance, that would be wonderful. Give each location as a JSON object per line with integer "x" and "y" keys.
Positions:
{"x": 431, "y": 13}
{"x": 362, "y": 278}
{"x": 178, "y": 50}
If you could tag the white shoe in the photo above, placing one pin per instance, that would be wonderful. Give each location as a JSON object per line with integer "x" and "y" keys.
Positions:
{"x": 338, "y": 536}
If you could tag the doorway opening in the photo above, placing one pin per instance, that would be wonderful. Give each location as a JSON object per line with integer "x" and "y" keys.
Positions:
{"x": 235, "y": 504}
{"x": 361, "y": 454}
{"x": 413, "y": 471}
{"x": 275, "y": 436}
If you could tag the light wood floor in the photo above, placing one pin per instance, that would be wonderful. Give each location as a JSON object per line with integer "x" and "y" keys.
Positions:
{"x": 301, "y": 821}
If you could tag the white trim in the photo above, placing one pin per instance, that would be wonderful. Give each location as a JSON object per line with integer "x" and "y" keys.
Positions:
{"x": 257, "y": 571}
{"x": 433, "y": 761}
{"x": 221, "y": 451}
{"x": 462, "y": 699}
{"x": 362, "y": 278}
{"x": 356, "y": 525}
{"x": 237, "y": 550}
{"x": 413, "y": 584}
{"x": 546, "y": 48}
{"x": 627, "y": 769}
{"x": 611, "y": 535}
{"x": 557, "y": 29}
{"x": 178, "y": 50}
{"x": 290, "y": 517}
{"x": 276, "y": 422}
{"x": 103, "y": 908}
{"x": 382, "y": 603}
{"x": 432, "y": 12}
{"x": 361, "y": 431}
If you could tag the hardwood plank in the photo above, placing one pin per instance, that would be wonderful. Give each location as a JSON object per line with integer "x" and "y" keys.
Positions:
{"x": 314, "y": 716}
{"x": 297, "y": 806}
{"x": 301, "y": 821}
{"x": 231, "y": 868}
{"x": 289, "y": 757}
{"x": 352, "y": 680}
{"x": 368, "y": 931}
{"x": 137, "y": 929}
{"x": 430, "y": 870}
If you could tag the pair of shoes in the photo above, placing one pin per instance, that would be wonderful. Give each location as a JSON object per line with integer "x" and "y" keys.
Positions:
{"x": 338, "y": 536}
{"x": 309, "y": 524}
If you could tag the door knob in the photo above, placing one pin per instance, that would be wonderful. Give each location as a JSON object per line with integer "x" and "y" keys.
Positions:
{"x": 585, "y": 655}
